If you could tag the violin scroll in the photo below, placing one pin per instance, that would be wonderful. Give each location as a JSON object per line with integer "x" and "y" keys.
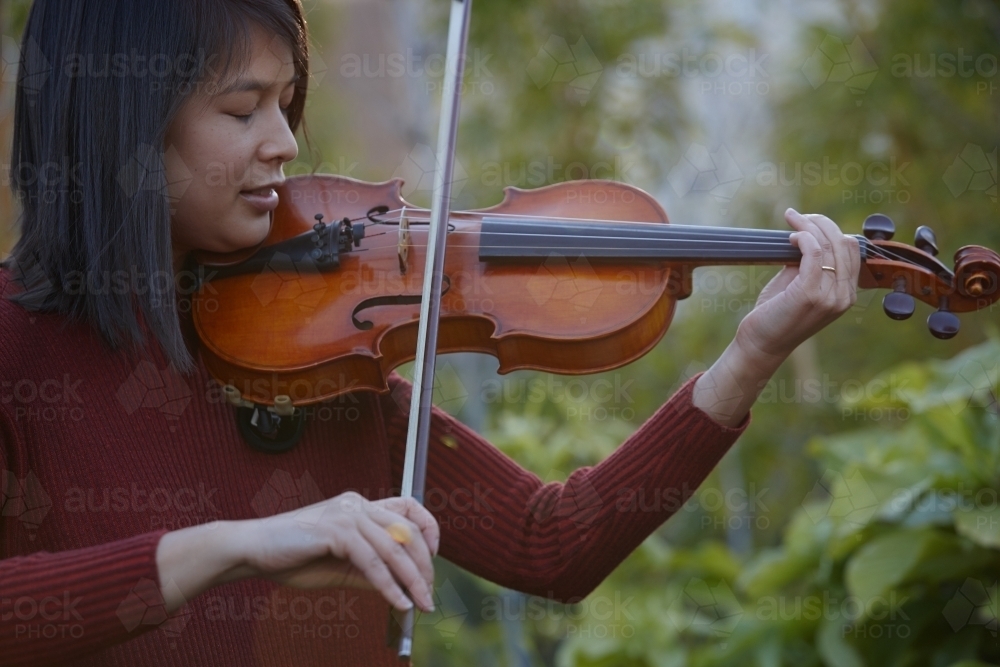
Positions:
{"x": 915, "y": 273}
{"x": 976, "y": 272}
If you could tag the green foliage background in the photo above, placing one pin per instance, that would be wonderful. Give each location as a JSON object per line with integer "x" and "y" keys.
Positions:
{"x": 876, "y": 538}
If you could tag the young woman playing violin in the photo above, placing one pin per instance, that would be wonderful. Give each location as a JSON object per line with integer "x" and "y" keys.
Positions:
{"x": 154, "y": 512}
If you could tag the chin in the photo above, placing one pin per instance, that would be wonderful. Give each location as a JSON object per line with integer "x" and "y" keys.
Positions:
{"x": 252, "y": 232}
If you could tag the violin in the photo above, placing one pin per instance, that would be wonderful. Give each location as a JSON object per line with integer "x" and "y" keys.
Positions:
{"x": 573, "y": 278}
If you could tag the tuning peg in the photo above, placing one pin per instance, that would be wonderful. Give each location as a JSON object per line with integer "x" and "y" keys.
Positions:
{"x": 925, "y": 240}
{"x": 320, "y": 225}
{"x": 943, "y": 323}
{"x": 898, "y": 305}
{"x": 878, "y": 227}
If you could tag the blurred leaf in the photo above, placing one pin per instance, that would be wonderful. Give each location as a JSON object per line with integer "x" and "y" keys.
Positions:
{"x": 981, "y": 525}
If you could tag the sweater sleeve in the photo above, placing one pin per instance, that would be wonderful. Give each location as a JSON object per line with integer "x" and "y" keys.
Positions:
{"x": 54, "y": 606}
{"x": 559, "y": 540}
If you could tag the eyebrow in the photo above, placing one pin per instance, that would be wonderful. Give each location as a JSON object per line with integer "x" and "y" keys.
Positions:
{"x": 253, "y": 85}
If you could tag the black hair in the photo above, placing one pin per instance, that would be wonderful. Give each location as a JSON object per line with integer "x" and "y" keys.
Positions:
{"x": 98, "y": 84}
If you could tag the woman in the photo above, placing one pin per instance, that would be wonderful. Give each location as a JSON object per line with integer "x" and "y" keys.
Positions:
{"x": 129, "y": 494}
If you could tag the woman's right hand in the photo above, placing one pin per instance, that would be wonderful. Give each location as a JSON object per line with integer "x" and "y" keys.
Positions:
{"x": 342, "y": 541}
{"x": 346, "y": 541}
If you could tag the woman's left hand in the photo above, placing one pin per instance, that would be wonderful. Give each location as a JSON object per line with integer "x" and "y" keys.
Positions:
{"x": 797, "y": 303}
{"x": 803, "y": 299}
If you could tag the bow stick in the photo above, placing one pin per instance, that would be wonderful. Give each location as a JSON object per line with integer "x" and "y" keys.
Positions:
{"x": 418, "y": 435}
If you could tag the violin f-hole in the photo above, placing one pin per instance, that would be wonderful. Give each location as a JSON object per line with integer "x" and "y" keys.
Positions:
{"x": 394, "y": 300}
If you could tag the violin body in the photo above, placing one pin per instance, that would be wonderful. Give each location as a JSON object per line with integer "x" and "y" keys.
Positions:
{"x": 572, "y": 278}
{"x": 299, "y": 333}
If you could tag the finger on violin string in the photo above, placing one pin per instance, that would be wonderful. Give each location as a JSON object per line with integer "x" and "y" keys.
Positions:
{"x": 812, "y": 255}
{"x": 847, "y": 260}
{"x": 840, "y": 244}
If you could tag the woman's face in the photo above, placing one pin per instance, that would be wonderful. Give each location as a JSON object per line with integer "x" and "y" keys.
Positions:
{"x": 224, "y": 153}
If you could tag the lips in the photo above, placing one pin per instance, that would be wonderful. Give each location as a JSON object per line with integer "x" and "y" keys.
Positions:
{"x": 264, "y": 198}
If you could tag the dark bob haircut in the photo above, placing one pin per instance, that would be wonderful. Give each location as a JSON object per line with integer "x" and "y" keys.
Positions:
{"x": 98, "y": 85}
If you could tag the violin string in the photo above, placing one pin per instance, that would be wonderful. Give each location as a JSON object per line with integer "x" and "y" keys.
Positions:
{"x": 774, "y": 243}
{"x": 879, "y": 253}
{"x": 870, "y": 248}
{"x": 667, "y": 235}
{"x": 774, "y": 237}
{"x": 532, "y": 218}
{"x": 570, "y": 251}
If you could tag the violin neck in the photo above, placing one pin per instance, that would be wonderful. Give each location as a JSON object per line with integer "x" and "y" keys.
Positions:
{"x": 525, "y": 238}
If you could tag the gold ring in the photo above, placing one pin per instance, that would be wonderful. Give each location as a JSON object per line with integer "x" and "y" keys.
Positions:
{"x": 829, "y": 268}
{"x": 399, "y": 533}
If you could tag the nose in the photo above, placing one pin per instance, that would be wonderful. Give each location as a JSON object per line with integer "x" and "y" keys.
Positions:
{"x": 278, "y": 142}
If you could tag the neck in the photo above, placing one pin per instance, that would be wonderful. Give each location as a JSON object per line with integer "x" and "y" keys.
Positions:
{"x": 506, "y": 239}
{"x": 180, "y": 254}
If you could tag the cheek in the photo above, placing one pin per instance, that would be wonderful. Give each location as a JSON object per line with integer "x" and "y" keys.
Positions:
{"x": 203, "y": 185}
{"x": 210, "y": 220}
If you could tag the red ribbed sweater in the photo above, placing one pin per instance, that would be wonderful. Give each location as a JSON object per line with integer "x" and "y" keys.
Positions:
{"x": 102, "y": 453}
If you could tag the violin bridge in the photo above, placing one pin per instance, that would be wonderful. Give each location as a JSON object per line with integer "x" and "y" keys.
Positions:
{"x": 403, "y": 246}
